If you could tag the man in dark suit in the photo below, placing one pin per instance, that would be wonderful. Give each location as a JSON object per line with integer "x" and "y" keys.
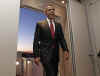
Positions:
{"x": 48, "y": 36}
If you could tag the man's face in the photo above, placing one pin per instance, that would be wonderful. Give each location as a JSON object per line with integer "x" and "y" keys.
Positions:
{"x": 50, "y": 12}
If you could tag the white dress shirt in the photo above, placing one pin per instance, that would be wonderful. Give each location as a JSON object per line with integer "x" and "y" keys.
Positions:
{"x": 48, "y": 20}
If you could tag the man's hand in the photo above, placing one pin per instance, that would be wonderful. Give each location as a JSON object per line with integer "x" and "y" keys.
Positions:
{"x": 37, "y": 60}
{"x": 66, "y": 55}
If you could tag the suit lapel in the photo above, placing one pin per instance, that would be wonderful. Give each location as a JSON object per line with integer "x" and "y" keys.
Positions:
{"x": 47, "y": 28}
{"x": 55, "y": 29}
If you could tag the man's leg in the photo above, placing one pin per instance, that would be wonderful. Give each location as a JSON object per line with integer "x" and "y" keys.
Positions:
{"x": 51, "y": 69}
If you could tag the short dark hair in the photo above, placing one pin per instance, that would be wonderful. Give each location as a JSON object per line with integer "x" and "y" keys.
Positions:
{"x": 46, "y": 7}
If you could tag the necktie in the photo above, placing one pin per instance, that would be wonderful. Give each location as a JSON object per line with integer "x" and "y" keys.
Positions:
{"x": 52, "y": 29}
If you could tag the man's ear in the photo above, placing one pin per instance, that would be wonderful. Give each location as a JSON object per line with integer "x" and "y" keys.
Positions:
{"x": 45, "y": 11}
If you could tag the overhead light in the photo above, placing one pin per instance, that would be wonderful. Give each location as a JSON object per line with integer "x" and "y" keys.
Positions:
{"x": 63, "y": 2}
{"x": 17, "y": 63}
{"x": 28, "y": 62}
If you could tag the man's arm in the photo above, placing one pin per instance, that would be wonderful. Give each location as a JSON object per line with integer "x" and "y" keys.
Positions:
{"x": 62, "y": 39}
{"x": 36, "y": 45}
{"x": 63, "y": 42}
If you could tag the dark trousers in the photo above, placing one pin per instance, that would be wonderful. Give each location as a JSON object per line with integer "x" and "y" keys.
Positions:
{"x": 50, "y": 62}
{"x": 50, "y": 69}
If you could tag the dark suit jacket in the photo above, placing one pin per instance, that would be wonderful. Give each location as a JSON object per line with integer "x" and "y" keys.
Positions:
{"x": 43, "y": 42}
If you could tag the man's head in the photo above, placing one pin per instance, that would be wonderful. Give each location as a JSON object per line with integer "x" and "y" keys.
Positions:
{"x": 50, "y": 12}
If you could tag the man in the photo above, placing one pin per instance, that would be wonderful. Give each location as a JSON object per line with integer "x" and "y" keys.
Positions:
{"x": 48, "y": 36}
